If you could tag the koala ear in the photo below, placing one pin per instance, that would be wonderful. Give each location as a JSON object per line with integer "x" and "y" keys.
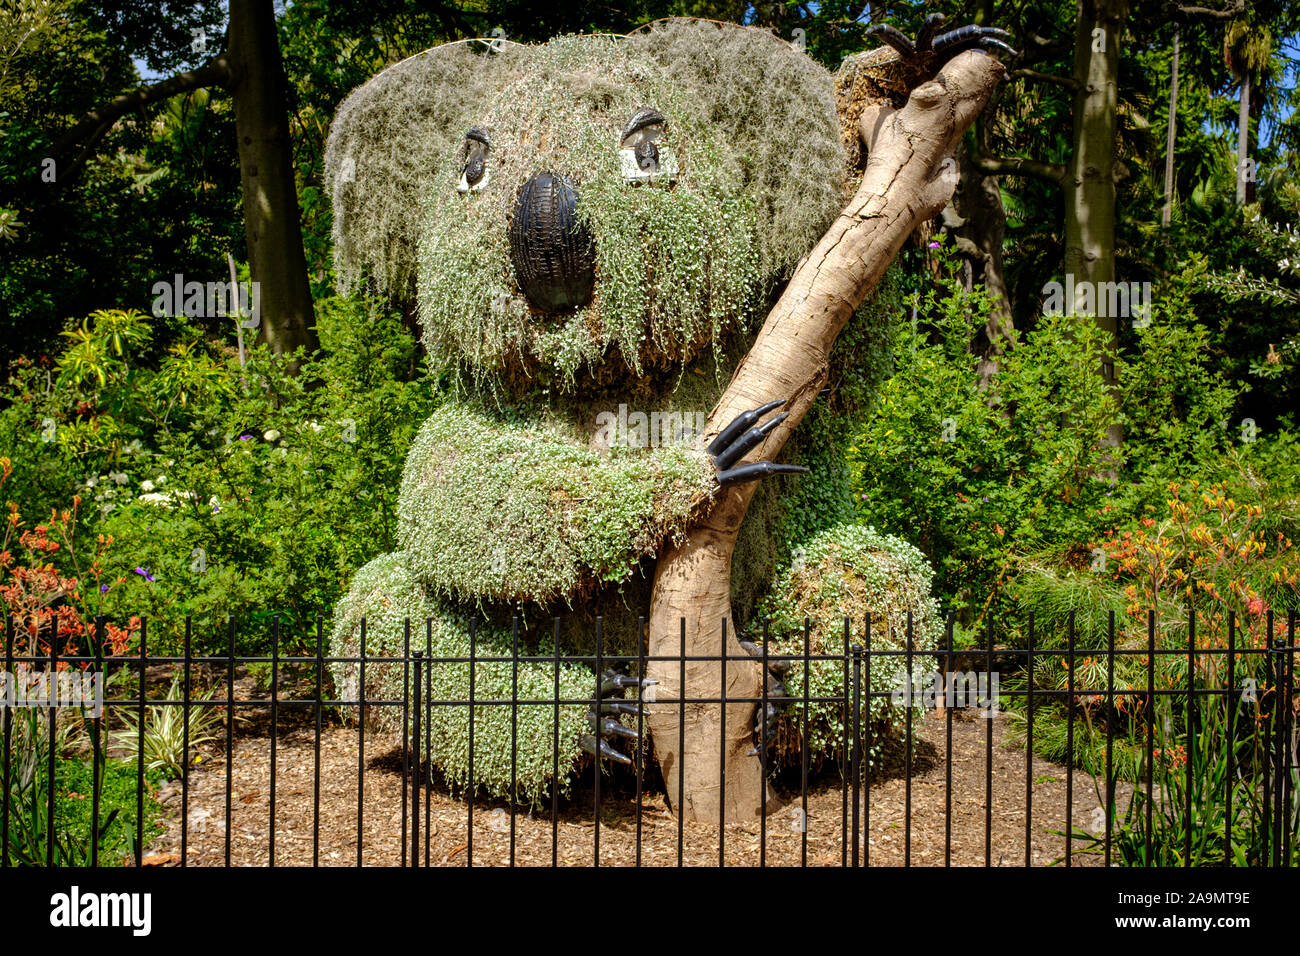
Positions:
{"x": 775, "y": 107}
{"x": 385, "y": 145}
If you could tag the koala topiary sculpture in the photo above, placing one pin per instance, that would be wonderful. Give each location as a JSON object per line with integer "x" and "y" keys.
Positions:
{"x": 589, "y": 231}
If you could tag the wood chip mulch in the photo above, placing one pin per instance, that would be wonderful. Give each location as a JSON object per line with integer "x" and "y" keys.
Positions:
{"x": 893, "y": 841}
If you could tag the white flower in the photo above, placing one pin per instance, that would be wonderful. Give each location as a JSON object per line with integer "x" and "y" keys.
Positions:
{"x": 118, "y": 477}
{"x": 146, "y": 486}
{"x": 271, "y": 435}
{"x": 91, "y": 482}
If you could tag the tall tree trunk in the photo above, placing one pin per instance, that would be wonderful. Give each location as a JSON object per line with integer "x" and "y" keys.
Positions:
{"x": 978, "y": 201}
{"x": 1090, "y": 181}
{"x": 271, "y": 219}
{"x": 1245, "y": 177}
{"x": 901, "y": 187}
{"x": 1167, "y": 211}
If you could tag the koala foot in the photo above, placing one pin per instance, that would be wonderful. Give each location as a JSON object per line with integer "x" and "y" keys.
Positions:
{"x": 765, "y": 719}
{"x": 943, "y": 46}
{"x": 605, "y": 727}
{"x": 734, "y": 441}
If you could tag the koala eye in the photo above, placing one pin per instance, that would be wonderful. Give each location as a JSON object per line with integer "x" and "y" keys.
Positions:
{"x": 642, "y": 158}
{"x": 474, "y": 176}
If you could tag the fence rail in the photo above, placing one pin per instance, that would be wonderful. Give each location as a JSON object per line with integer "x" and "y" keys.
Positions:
{"x": 1209, "y": 730}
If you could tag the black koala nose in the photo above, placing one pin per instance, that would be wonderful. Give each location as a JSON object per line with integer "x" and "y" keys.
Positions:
{"x": 551, "y": 251}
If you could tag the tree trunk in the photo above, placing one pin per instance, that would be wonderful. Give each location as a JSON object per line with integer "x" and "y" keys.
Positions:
{"x": 1093, "y": 171}
{"x": 901, "y": 188}
{"x": 978, "y": 202}
{"x": 1245, "y": 177}
{"x": 271, "y": 219}
{"x": 1167, "y": 210}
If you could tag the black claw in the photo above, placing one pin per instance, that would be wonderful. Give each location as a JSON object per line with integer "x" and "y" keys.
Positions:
{"x": 738, "y": 425}
{"x": 965, "y": 38}
{"x": 928, "y": 30}
{"x": 612, "y": 683}
{"x": 759, "y": 469}
{"x": 993, "y": 45}
{"x": 893, "y": 37}
{"x": 631, "y": 708}
{"x": 738, "y": 449}
{"x": 598, "y": 748}
{"x": 609, "y": 727}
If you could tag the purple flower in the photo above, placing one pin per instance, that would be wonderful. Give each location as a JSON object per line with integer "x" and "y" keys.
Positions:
{"x": 986, "y": 499}
{"x": 144, "y": 573}
{"x": 934, "y": 245}
{"x": 245, "y": 437}
{"x": 103, "y": 589}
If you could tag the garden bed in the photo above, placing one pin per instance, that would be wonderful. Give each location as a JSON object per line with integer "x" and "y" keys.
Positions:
{"x": 575, "y": 832}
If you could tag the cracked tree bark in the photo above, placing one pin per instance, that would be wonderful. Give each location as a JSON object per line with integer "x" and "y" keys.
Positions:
{"x": 900, "y": 188}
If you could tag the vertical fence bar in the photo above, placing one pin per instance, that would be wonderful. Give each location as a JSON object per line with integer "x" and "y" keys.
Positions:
{"x": 762, "y": 756}
{"x": 52, "y": 710}
{"x": 1264, "y": 761}
{"x": 947, "y": 755}
{"x": 1231, "y": 738}
{"x": 856, "y": 650}
{"x": 845, "y": 756}
{"x": 600, "y": 667}
{"x": 1110, "y": 729}
{"x": 417, "y": 677}
{"x": 1151, "y": 729}
{"x": 470, "y": 786}
{"x": 681, "y": 743}
{"x": 428, "y": 734}
{"x": 907, "y": 753}
{"x": 866, "y": 778}
{"x": 185, "y": 749}
{"x": 803, "y": 751}
{"x": 1279, "y": 697}
{"x": 361, "y": 746}
{"x": 315, "y": 768}
{"x": 640, "y": 724}
{"x": 230, "y": 724}
{"x": 275, "y": 726}
{"x": 139, "y": 779}
{"x": 514, "y": 728}
{"x": 97, "y": 757}
{"x": 1069, "y": 743}
{"x": 406, "y": 724}
{"x": 722, "y": 756}
{"x": 1293, "y": 813}
{"x": 1190, "y": 711}
{"x": 988, "y": 750}
{"x": 1029, "y": 745}
{"x": 8, "y": 738}
{"x": 555, "y": 752}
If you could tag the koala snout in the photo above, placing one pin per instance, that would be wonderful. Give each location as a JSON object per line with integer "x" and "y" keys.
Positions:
{"x": 550, "y": 249}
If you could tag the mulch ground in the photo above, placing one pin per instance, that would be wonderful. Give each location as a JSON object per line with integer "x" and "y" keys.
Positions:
{"x": 928, "y": 826}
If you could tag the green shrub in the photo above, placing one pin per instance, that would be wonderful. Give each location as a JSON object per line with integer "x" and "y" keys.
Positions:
{"x": 386, "y": 595}
{"x": 850, "y": 571}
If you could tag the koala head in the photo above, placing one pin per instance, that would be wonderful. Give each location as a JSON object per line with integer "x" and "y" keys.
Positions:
{"x": 589, "y": 208}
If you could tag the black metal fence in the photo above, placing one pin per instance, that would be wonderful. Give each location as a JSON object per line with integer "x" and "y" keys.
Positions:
{"x": 1209, "y": 731}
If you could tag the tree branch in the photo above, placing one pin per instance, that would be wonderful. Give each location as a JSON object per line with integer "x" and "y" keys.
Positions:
{"x": 1069, "y": 82}
{"x": 1015, "y": 166}
{"x": 1189, "y": 14}
{"x": 98, "y": 121}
